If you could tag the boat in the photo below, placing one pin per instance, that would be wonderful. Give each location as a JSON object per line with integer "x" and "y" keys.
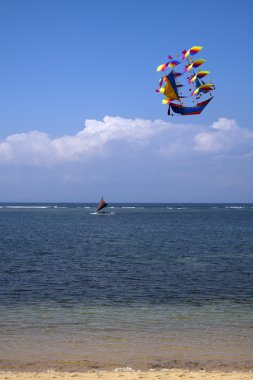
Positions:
{"x": 184, "y": 97}
{"x": 101, "y": 206}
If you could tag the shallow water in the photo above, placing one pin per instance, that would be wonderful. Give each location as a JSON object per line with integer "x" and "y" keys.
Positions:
{"x": 144, "y": 286}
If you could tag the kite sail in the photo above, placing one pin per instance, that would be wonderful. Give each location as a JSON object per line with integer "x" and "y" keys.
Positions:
{"x": 191, "y": 94}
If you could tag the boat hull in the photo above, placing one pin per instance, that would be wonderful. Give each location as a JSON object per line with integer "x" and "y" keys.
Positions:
{"x": 179, "y": 109}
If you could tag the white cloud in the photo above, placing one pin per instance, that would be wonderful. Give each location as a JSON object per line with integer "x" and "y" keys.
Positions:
{"x": 37, "y": 148}
{"x": 113, "y": 135}
{"x": 224, "y": 124}
{"x": 223, "y": 136}
{"x": 131, "y": 159}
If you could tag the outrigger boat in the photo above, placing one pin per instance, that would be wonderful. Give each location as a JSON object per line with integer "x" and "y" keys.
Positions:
{"x": 100, "y": 208}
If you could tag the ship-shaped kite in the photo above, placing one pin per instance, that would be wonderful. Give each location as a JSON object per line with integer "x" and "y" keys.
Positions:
{"x": 191, "y": 94}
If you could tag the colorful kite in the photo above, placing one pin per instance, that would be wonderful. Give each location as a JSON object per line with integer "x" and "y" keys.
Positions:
{"x": 191, "y": 91}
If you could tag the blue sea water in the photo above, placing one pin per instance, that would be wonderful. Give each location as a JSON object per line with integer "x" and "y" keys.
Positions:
{"x": 143, "y": 286}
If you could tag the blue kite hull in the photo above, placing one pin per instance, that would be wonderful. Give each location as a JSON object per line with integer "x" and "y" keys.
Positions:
{"x": 178, "y": 108}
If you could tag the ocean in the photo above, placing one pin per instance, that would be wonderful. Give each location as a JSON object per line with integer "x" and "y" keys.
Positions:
{"x": 143, "y": 286}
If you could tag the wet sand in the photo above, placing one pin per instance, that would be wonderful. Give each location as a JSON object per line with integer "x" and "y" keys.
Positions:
{"x": 124, "y": 374}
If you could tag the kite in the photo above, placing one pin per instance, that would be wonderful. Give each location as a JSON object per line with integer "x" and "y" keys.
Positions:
{"x": 185, "y": 97}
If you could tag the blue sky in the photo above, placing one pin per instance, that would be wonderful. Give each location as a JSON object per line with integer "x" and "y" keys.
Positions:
{"x": 80, "y": 117}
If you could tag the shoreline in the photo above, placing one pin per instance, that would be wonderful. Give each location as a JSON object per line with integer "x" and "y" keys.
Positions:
{"x": 132, "y": 364}
{"x": 128, "y": 374}
{"x": 89, "y": 366}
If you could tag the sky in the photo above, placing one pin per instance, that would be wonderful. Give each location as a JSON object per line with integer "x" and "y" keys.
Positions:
{"x": 79, "y": 115}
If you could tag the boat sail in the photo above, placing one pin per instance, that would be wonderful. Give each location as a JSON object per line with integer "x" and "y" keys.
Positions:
{"x": 102, "y": 204}
{"x": 178, "y": 94}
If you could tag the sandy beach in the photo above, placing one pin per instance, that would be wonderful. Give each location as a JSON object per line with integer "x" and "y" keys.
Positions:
{"x": 119, "y": 374}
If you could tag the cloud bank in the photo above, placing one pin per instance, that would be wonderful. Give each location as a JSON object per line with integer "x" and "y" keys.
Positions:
{"x": 133, "y": 160}
{"x": 102, "y": 139}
